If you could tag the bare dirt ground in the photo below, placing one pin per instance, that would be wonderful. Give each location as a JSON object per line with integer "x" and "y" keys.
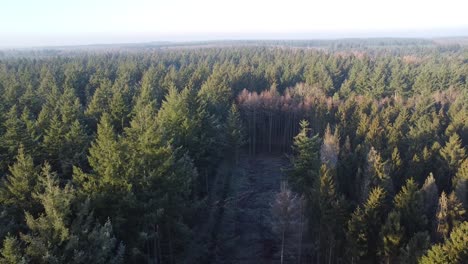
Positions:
{"x": 245, "y": 231}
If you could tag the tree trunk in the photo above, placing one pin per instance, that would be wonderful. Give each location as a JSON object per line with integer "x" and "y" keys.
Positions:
{"x": 271, "y": 127}
{"x": 282, "y": 246}
{"x": 300, "y": 232}
{"x": 171, "y": 256}
{"x": 254, "y": 130}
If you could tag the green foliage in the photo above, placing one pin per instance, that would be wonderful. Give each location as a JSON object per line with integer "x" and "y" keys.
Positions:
{"x": 306, "y": 162}
{"x": 392, "y": 235}
{"x": 364, "y": 226}
{"x": 18, "y": 131}
{"x": 415, "y": 248}
{"x": 450, "y": 213}
{"x": 453, "y": 153}
{"x": 453, "y": 250}
{"x": 409, "y": 203}
{"x": 330, "y": 213}
{"x": 17, "y": 187}
{"x": 235, "y": 132}
{"x": 10, "y": 252}
{"x": 161, "y": 121}
{"x": 54, "y": 237}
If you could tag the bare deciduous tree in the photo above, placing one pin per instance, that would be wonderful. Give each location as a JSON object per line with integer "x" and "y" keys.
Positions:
{"x": 286, "y": 210}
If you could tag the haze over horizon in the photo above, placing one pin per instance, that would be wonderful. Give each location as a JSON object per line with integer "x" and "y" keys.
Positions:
{"x": 27, "y": 23}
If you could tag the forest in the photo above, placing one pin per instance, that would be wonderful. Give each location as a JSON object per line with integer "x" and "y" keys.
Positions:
{"x": 135, "y": 154}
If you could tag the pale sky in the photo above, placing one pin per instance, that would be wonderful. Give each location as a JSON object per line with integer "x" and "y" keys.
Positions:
{"x": 65, "y": 22}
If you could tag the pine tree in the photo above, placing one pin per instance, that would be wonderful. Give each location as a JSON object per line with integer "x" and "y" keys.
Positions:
{"x": 375, "y": 174}
{"x": 216, "y": 94}
{"x": 17, "y": 187}
{"x": 330, "y": 213}
{"x": 11, "y": 252}
{"x": 236, "y": 134}
{"x": 453, "y": 250}
{"x": 409, "y": 203}
{"x": 364, "y": 226}
{"x": 49, "y": 231}
{"x": 392, "y": 235}
{"x": 183, "y": 121}
{"x": 450, "y": 213}
{"x": 460, "y": 183}
{"x": 151, "y": 92}
{"x": 415, "y": 248}
{"x": 443, "y": 228}
{"x": 453, "y": 153}
{"x": 59, "y": 236}
{"x": 21, "y": 181}
{"x": 105, "y": 156}
{"x": 306, "y": 160}
{"x": 396, "y": 167}
{"x": 91, "y": 242}
{"x": 100, "y": 102}
{"x": 17, "y": 133}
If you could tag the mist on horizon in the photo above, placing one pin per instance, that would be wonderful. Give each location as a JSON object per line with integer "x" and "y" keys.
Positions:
{"x": 30, "y": 23}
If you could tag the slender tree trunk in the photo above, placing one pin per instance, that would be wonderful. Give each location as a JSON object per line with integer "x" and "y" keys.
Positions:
{"x": 207, "y": 184}
{"x": 254, "y": 131}
{"x": 271, "y": 127}
{"x": 318, "y": 247}
{"x": 158, "y": 245}
{"x": 171, "y": 256}
{"x": 301, "y": 230}
{"x": 282, "y": 246}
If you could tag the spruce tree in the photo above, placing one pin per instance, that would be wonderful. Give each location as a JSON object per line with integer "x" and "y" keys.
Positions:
{"x": 11, "y": 252}
{"x": 453, "y": 153}
{"x": 330, "y": 213}
{"x": 460, "y": 183}
{"x": 48, "y": 231}
{"x": 453, "y": 250}
{"x": 306, "y": 160}
{"x": 392, "y": 235}
{"x": 409, "y": 203}
{"x": 364, "y": 226}
{"x": 236, "y": 134}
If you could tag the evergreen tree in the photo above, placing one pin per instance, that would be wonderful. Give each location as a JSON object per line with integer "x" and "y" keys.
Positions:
{"x": 453, "y": 153}
{"x": 49, "y": 231}
{"x": 450, "y": 213}
{"x": 10, "y": 252}
{"x": 415, "y": 248}
{"x": 16, "y": 192}
{"x": 54, "y": 237}
{"x": 460, "y": 183}
{"x": 392, "y": 235}
{"x": 236, "y": 134}
{"x": 306, "y": 161}
{"x": 17, "y": 187}
{"x": 375, "y": 174}
{"x": 453, "y": 250}
{"x": 364, "y": 227}
{"x": 17, "y": 133}
{"x": 409, "y": 203}
{"x": 330, "y": 213}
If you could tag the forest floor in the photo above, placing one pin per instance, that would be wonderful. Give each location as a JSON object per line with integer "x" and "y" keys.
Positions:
{"x": 244, "y": 229}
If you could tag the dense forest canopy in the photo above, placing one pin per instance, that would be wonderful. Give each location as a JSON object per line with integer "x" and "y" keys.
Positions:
{"x": 110, "y": 155}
